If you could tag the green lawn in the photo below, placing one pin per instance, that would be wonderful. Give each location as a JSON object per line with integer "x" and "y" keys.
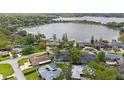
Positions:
{"x": 83, "y": 53}
{"x": 63, "y": 66}
{"x": 4, "y": 58}
{"x": 22, "y": 61}
{"x": 6, "y": 69}
{"x": 12, "y": 78}
{"x": 31, "y": 74}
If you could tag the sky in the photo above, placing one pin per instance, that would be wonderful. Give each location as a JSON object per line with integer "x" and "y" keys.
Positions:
{"x": 54, "y": 6}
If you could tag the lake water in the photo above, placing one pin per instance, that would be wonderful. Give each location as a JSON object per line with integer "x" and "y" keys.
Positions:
{"x": 75, "y": 31}
{"x": 103, "y": 20}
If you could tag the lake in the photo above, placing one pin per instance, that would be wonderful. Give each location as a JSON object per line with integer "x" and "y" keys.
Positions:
{"x": 103, "y": 20}
{"x": 75, "y": 31}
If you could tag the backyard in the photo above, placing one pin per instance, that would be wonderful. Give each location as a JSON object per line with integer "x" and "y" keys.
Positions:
{"x": 31, "y": 73}
{"x": 23, "y": 61}
{"x": 4, "y": 58}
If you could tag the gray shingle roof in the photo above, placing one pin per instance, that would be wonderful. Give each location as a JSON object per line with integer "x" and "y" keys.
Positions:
{"x": 77, "y": 71}
{"x": 48, "y": 74}
{"x": 87, "y": 58}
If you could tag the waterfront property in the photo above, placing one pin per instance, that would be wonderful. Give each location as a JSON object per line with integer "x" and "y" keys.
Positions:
{"x": 89, "y": 49}
{"x": 52, "y": 44}
{"x": 84, "y": 44}
{"x": 49, "y": 72}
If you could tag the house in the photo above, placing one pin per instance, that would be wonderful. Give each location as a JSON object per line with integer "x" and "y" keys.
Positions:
{"x": 52, "y": 44}
{"x": 77, "y": 72}
{"x": 4, "y": 53}
{"x": 116, "y": 44}
{"x": 83, "y": 44}
{"x": 18, "y": 49}
{"x": 39, "y": 60}
{"x": 86, "y": 58}
{"x": 89, "y": 49}
{"x": 49, "y": 72}
{"x": 113, "y": 59}
{"x": 62, "y": 57}
{"x": 119, "y": 45}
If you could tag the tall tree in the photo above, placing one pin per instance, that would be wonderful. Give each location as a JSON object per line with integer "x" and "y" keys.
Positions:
{"x": 23, "y": 33}
{"x": 75, "y": 55}
{"x": 101, "y": 56}
{"x": 27, "y": 50}
{"x": 92, "y": 40}
{"x": 65, "y": 37}
{"x": 121, "y": 38}
{"x": 54, "y": 37}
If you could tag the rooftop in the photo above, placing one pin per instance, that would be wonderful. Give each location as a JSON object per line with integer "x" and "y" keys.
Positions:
{"x": 112, "y": 57}
{"x": 49, "y": 74}
{"x": 39, "y": 60}
{"x": 77, "y": 71}
{"x": 62, "y": 57}
{"x": 85, "y": 58}
{"x": 4, "y": 53}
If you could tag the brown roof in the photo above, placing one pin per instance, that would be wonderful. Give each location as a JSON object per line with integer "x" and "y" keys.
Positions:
{"x": 4, "y": 53}
{"x": 36, "y": 60}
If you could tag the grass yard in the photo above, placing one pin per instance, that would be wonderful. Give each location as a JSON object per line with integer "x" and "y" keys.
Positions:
{"x": 6, "y": 69}
{"x": 63, "y": 66}
{"x": 83, "y": 53}
{"x": 4, "y": 58}
{"x": 22, "y": 61}
{"x": 31, "y": 74}
{"x": 12, "y": 78}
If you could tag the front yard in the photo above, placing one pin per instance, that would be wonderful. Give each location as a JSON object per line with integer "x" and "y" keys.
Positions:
{"x": 31, "y": 73}
{"x": 4, "y": 58}
{"x": 22, "y": 61}
{"x": 6, "y": 70}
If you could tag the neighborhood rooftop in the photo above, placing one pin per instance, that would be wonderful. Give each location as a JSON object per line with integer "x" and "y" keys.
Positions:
{"x": 49, "y": 72}
{"x": 39, "y": 60}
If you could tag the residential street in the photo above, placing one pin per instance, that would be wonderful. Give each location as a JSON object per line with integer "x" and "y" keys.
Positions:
{"x": 14, "y": 62}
